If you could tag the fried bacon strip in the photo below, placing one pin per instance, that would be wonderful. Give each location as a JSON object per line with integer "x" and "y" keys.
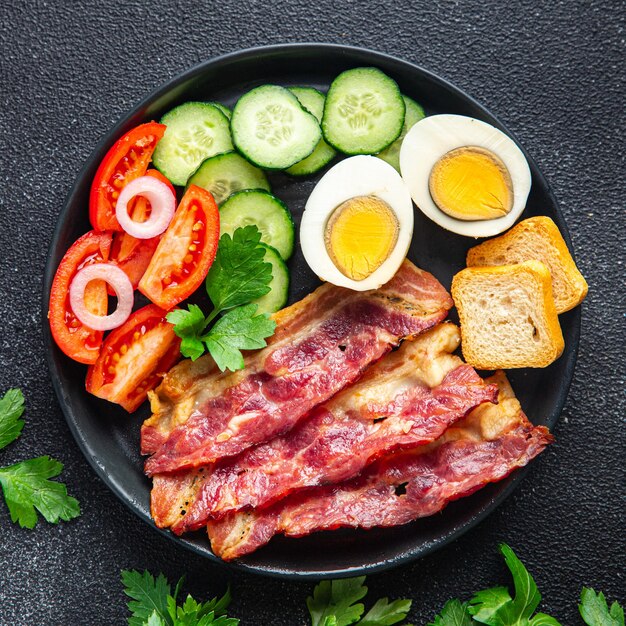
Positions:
{"x": 405, "y": 400}
{"x": 322, "y": 344}
{"x": 485, "y": 447}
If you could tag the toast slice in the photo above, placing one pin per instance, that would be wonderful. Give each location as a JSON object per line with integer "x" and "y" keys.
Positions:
{"x": 536, "y": 238}
{"x": 508, "y": 318}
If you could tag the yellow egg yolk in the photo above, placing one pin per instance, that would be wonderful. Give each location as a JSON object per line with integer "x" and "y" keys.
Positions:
{"x": 471, "y": 183}
{"x": 360, "y": 235}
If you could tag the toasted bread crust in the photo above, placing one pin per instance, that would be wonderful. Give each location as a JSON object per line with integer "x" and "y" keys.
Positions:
{"x": 500, "y": 357}
{"x": 573, "y": 287}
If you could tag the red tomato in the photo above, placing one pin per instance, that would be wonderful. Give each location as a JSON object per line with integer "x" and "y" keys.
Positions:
{"x": 133, "y": 358}
{"x": 133, "y": 255}
{"x": 75, "y": 339}
{"x": 126, "y": 160}
{"x": 185, "y": 252}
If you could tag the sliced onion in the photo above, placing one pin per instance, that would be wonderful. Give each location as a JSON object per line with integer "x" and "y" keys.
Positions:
{"x": 120, "y": 283}
{"x": 162, "y": 205}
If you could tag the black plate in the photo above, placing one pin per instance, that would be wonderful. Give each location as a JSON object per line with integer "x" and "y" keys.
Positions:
{"x": 110, "y": 439}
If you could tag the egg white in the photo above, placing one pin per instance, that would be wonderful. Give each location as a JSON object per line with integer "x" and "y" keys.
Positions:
{"x": 435, "y": 136}
{"x": 355, "y": 176}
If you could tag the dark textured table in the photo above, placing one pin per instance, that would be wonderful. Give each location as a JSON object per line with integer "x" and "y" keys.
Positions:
{"x": 550, "y": 71}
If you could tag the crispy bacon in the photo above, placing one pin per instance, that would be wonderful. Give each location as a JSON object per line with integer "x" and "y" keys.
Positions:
{"x": 484, "y": 447}
{"x": 322, "y": 344}
{"x": 405, "y": 400}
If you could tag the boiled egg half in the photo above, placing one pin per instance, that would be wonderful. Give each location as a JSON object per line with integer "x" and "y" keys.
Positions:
{"x": 357, "y": 224}
{"x": 465, "y": 175}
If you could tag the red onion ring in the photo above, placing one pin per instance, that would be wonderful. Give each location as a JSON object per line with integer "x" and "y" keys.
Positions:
{"x": 122, "y": 286}
{"x": 162, "y": 204}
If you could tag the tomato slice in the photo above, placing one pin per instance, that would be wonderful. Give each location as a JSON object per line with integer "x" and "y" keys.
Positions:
{"x": 134, "y": 358}
{"x": 185, "y": 252}
{"x": 133, "y": 255}
{"x": 74, "y": 338}
{"x": 126, "y": 160}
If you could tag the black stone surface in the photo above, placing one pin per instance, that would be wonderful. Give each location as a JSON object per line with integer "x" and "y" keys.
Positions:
{"x": 552, "y": 72}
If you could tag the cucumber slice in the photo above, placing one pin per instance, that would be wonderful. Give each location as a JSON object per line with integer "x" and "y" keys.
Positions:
{"x": 266, "y": 211}
{"x": 414, "y": 113}
{"x": 276, "y": 299}
{"x": 195, "y": 131}
{"x": 224, "y": 109}
{"x": 226, "y": 173}
{"x": 364, "y": 111}
{"x": 313, "y": 101}
{"x": 271, "y": 129}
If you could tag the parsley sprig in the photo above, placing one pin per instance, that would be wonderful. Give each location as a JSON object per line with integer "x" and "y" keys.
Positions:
{"x": 336, "y": 603}
{"x": 238, "y": 276}
{"x": 26, "y": 485}
{"x": 595, "y": 611}
{"x": 153, "y": 604}
{"x": 495, "y": 606}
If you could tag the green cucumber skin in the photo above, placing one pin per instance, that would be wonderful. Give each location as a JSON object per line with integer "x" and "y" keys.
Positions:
{"x": 312, "y": 100}
{"x": 223, "y": 108}
{"x": 178, "y": 169}
{"x": 334, "y": 128}
{"x": 414, "y": 113}
{"x": 266, "y": 157}
{"x": 235, "y": 212}
{"x": 277, "y": 298}
{"x": 251, "y": 178}
{"x": 318, "y": 159}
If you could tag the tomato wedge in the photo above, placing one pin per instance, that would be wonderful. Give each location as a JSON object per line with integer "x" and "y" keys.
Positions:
{"x": 185, "y": 252}
{"x": 130, "y": 254}
{"x": 133, "y": 358}
{"x": 74, "y": 338}
{"x": 126, "y": 160}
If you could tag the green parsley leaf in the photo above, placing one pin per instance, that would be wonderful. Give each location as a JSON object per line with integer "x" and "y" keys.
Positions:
{"x": 26, "y": 487}
{"x": 154, "y": 620}
{"x": 240, "y": 329}
{"x": 338, "y": 599}
{"x": 454, "y": 613}
{"x": 384, "y": 613}
{"x": 218, "y": 605}
{"x": 485, "y": 604}
{"x": 187, "y": 614}
{"x": 11, "y": 409}
{"x": 153, "y": 605}
{"x": 193, "y": 613}
{"x": 149, "y": 596}
{"x": 239, "y": 273}
{"x": 594, "y": 609}
{"x": 336, "y": 603}
{"x": 189, "y": 325}
{"x": 187, "y": 322}
{"x": 541, "y": 619}
{"x": 527, "y": 596}
{"x": 192, "y": 348}
{"x": 172, "y": 607}
{"x": 495, "y": 606}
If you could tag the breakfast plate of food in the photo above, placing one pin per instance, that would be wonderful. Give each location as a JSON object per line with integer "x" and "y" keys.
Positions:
{"x": 309, "y": 309}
